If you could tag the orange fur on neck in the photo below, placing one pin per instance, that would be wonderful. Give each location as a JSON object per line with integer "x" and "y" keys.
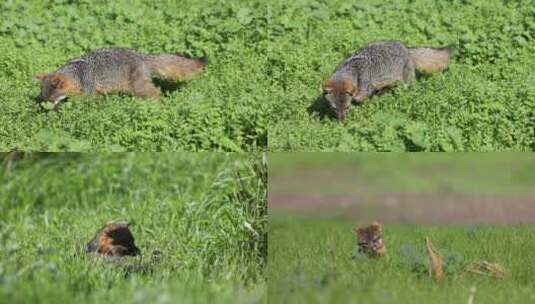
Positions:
{"x": 66, "y": 84}
{"x": 343, "y": 84}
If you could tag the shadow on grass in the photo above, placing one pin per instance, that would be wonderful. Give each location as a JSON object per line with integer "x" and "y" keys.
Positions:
{"x": 168, "y": 86}
{"x": 320, "y": 107}
{"x": 410, "y": 146}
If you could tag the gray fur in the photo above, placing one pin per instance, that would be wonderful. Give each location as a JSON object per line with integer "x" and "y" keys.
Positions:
{"x": 104, "y": 67}
{"x": 377, "y": 62}
{"x": 377, "y": 66}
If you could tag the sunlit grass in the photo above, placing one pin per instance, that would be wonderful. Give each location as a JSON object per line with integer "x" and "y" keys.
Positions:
{"x": 199, "y": 220}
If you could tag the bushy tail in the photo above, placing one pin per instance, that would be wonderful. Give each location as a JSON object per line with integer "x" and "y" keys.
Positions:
{"x": 174, "y": 66}
{"x": 431, "y": 60}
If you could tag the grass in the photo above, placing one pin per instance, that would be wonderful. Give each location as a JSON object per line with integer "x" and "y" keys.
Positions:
{"x": 268, "y": 60}
{"x": 216, "y": 111}
{"x": 484, "y": 102}
{"x": 316, "y": 199}
{"x": 205, "y": 213}
{"x": 312, "y": 261}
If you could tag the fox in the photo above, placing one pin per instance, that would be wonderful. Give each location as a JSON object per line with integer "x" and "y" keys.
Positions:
{"x": 370, "y": 239}
{"x": 377, "y": 66}
{"x": 113, "y": 240}
{"x": 116, "y": 70}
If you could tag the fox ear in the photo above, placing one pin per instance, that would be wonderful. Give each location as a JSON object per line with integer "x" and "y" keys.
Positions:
{"x": 57, "y": 80}
{"x": 40, "y": 76}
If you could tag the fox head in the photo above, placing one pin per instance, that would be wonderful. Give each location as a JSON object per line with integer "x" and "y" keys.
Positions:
{"x": 56, "y": 86}
{"x": 338, "y": 91}
{"x": 370, "y": 239}
{"x": 114, "y": 239}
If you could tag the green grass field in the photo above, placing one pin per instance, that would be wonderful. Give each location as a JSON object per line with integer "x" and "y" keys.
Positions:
{"x": 311, "y": 261}
{"x": 205, "y": 213}
{"x": 485, "y": 101}
{"x": 268, "y": 60}
{"x": 224, "y": 109}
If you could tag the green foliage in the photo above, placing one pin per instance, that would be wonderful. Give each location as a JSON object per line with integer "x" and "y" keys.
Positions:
{"x": 484, "y": 102}
{"x": 223, "y": 109}
{"x": 199, "y": 219}
{"x": 311, "y": 261}
{"x": 268, "y": 60}
{"x": 416, "y": 259}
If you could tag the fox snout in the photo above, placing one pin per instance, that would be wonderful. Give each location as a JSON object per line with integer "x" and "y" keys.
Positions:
{"x": 339, "y": 104}
{"x": 56, "y": 87}
{"x": 53, "y": 97}
{"x": 340, "y": 114}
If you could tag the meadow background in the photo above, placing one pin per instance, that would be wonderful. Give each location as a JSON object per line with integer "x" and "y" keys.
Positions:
{"x": 199, "y": 219}
{"x": 473, "y": 207}
{"x": 485, "y": 101}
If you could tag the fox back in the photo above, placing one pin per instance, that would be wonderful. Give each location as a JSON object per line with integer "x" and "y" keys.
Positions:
{"x": 380, "y": 62}
{"x": 105, "y": 70}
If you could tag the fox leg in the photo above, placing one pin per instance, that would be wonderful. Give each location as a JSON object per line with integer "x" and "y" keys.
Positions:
{"x": 361, "y": 96}
{"x": 147, "y": 90}
{"x": 409, "y": 71}
{"x": 364, "y": 92}
{"x": 142, "y": 85}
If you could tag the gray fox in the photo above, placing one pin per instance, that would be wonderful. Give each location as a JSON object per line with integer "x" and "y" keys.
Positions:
{"x": 377, "y": 66}
{"x": 113, "y": 70}
{"x": 114, "y": 239}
